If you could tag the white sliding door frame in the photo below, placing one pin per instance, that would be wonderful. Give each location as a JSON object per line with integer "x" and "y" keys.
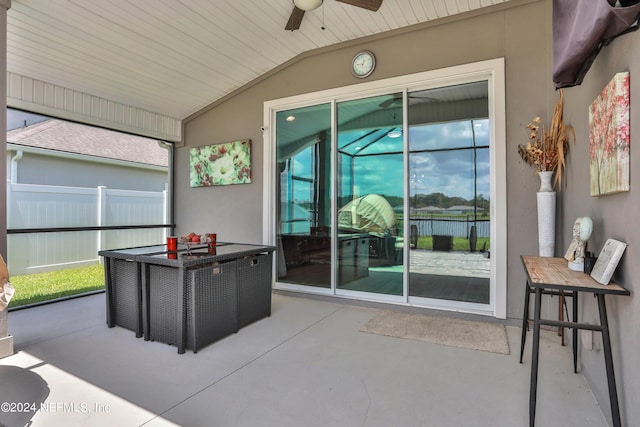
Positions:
{"x": 490, "y": 70}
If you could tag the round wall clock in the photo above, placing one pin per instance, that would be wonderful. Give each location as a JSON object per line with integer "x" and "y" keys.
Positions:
{"x": 363, "y": 64}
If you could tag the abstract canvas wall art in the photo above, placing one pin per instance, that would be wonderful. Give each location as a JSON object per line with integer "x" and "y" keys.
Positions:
{"x": 609, "y": 138}
{"x": 220, "y": 164}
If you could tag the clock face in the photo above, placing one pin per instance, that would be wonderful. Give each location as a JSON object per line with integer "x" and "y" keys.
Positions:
{"x": 363, "y": 64}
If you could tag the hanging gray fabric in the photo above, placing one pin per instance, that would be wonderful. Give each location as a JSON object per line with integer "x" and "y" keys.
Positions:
{"x": 581, "y": 28}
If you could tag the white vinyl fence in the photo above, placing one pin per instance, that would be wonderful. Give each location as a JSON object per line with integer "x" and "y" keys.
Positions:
{"x": 46, "y": 206}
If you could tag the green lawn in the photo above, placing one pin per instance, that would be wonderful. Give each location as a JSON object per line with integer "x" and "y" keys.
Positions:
{"x": 33, "y": 288}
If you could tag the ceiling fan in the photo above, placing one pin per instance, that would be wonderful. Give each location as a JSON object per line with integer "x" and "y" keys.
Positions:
{"x": 301, "y": 6}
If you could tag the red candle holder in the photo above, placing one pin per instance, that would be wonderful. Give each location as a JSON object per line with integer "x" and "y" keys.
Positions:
{"x": 172, "y": 244}
{"x": 212, "y": 244}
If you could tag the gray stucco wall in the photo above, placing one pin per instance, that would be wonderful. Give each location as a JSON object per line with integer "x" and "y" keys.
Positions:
{"x": 522, "y": 35}
{"x": 39, "y": 169}
{"x": 613, "y": 217}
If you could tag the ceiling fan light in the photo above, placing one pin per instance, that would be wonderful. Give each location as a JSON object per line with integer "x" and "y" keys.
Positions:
{"x": 307, "y": 5}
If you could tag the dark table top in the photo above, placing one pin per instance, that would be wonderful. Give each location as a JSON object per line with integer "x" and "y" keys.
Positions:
{"x": 130, "y": 253}
{"x": 198, "y": 254}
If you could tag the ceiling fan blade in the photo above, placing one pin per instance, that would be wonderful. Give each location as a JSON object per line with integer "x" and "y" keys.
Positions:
{"x": 295, "y": 19}
{"x": 372, "y": 5}
{"x": 423, "y": 97}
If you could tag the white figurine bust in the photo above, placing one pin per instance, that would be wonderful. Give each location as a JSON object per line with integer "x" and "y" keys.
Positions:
{"x": 582, "y": 229}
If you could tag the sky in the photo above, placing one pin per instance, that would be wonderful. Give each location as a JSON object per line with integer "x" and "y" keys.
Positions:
{"x": 17, "y": 118}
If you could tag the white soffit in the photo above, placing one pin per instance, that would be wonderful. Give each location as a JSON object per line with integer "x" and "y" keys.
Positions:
{"x": 174, "y": 57}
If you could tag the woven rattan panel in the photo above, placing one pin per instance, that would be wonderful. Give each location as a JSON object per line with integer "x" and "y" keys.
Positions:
{"x": 163, "y": 304}
{"x": 212, "y": 299}
{"x": 254, "y": 288}
{"x": 125, "y": 293}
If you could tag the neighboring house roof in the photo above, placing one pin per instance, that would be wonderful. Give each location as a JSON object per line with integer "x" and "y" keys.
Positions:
{"x": 76, "y": 138}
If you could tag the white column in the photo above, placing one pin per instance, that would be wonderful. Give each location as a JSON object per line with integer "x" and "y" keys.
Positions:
{"x": 101, "y": 213}
{"x": 165, "y": 219}
{"x": 4, "y": 6}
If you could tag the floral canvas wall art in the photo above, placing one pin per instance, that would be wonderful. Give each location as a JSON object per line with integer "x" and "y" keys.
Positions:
{"x": 220, "y": 164}
{"x": 609, "y": 138}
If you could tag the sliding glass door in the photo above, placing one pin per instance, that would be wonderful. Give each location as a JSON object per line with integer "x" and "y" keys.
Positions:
{"x": 303, "y": 180}
{"x": 447, "y": 184}
{"x": 449, "y": 190}
{"x": 370, "y": 188}
{"x": 391, "y": 196}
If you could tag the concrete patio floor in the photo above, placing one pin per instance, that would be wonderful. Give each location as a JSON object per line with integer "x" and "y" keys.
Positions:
{"x": 306, "y": 365}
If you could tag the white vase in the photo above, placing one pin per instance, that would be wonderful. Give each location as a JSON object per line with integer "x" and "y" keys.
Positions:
{"x": 546, "y": 216}
{"x": 545, "y": 180}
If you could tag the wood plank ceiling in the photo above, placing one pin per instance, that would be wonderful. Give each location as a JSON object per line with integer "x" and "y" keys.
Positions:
{"x": 174, "y": 57}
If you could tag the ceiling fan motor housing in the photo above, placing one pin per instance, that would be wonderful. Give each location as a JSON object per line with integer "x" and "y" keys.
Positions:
{"x": 307, "y": 5}
{"x": 302, "y": 6}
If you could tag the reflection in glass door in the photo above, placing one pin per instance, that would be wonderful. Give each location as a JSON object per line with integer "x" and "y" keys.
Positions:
{"x": 370, "y": 198}
{"x": 303, "y": 156}
{"x": 448, "y": 180}
{"x": 449, "y": 190}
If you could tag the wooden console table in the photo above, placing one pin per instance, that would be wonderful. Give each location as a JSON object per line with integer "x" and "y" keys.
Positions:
{"x": 553, "y": 276}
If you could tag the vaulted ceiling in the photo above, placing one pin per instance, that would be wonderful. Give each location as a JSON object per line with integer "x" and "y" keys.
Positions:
{"x": 174, "y": 57}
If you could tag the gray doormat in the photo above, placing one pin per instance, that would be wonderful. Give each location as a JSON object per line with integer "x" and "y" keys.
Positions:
{"x": 483, "y": 336}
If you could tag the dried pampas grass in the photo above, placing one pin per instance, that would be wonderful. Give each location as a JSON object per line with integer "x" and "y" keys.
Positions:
{"x": 547, "y": 149}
